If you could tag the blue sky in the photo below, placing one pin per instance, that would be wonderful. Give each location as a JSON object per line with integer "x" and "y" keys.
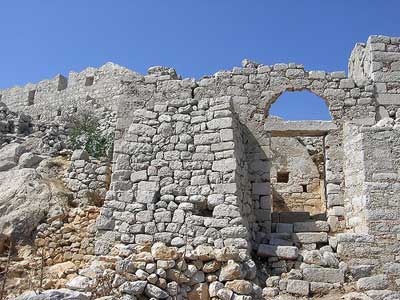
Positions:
{"x": 43, "y": 38}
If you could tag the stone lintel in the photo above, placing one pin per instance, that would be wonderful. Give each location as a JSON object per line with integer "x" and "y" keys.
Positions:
{"x": 279, "y": 127}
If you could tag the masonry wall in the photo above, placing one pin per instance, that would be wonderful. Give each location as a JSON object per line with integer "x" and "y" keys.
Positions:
{"x": 177, "y": 171}
{"x": 191, "y": 158}
{"x": 304, "y": 189}
{"x": 372, "y": 201}
{"x": 89, "y": 89}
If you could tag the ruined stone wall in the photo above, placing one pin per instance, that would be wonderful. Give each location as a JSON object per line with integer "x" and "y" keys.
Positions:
{"x": 89, "y": 89}
{"x": 192, "y": 159}
{"x": 371, "y": 202}
{"x": 296, "y": 181}
{"x": 174, "y": 177}
{"x": 379, "y": 61}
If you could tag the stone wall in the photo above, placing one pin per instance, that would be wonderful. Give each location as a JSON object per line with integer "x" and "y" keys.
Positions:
{"x": 88, "y": 89}
{"x": 192, "y": 158}
{"x": 371, "y": 202}
{"x": 296, "y": 182}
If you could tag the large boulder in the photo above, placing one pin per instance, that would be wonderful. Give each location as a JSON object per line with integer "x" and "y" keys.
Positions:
{"x": 26, "y": 198}
{"x": 61, "y": 294}
{"x": 9, "y": 156}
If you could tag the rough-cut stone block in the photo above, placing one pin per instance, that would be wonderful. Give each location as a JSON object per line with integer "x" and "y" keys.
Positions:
{"x": 224, "y": 165}
{"x": 284, "y": 227}
{"x": 220, "y": 123}
{"x": 139, "y": 176}
{"x": 323, "y": 275}
{"x": 285, "y": 252}
{"x": 378, "y": 282}
{"x": 317, "y": 226}
{"x": 388, "y": 99}
{"x": 311, "y": 237}
{"x": 261, "y": 188}
{"x": 298, "y": 287}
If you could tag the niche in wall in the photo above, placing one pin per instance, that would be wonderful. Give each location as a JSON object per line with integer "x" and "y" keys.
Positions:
{"x": 89, "y": 80}
{"x": 282, "y": 177}
{"x": 31, "y": 97}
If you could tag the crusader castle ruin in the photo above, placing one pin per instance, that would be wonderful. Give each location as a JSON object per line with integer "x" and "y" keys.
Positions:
{"x": 199, "y": 168}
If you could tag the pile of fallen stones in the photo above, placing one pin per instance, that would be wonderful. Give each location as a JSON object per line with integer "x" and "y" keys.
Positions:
{"x": 205, "y": 272}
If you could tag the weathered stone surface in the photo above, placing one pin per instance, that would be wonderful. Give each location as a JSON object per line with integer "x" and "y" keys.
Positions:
{"x": 311, "y": 237}
{"x": 55, "y": 294}
{"x": 240, "y": 286}
{"x": 298, "y": 287}
{"x": 161, "y": 251}
{"x": 154, "y": 291}
{"x": 133, "y": 288}
{"x": 378, "y": 282}
{"x": 199, "y": 292}
{"x": 286, "y": 252}
{"x": 230, "y": 271}
{"x": 79, "y": 283}
{"x": 323, "y": 275}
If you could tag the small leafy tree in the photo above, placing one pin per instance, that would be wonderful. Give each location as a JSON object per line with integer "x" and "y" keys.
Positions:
{"x": 85, "y": 133}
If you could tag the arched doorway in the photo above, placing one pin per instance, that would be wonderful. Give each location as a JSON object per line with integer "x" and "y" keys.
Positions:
{"x": 298, "y": 123}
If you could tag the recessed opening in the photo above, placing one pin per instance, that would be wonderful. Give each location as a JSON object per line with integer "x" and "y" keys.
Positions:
{"x": 31, "y": 97}
{"x": 62, "y": 83}
{"x": 59, "y": 112}
{"x": 75, "y": 109}
{"x": 282, "y": 177}
{"x": 89, "y": 81}
{"x": 38, "y": 117}
{"x": 304, "y": 186}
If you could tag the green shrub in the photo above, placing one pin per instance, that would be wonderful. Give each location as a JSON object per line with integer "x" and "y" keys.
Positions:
{"x": 85, "y": 133}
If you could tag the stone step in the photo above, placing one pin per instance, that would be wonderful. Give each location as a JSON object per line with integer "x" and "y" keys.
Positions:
{"x": 290, "y": 217}
{"x": 282, "y": 252}
{"x": 308, "y": 226}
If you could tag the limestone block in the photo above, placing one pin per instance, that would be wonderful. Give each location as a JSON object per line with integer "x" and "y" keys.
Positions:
{"x": 311, "y": 237}
{"x": 230, "y": 271}
{"x": 79, "y": 154}
{"x": 377, "y": 282}
{"x": 29, "y": 160}
{"x": 323, "y": 275}
{"x": 317, "y": 226}
{"x": 79, "y": 283}
{"x": 269, "y": 292}
{"x": 321, "y": 288}
{"x": 207, "y": 138}
{"x": 285, "y": 252}
{"x": 261, "y": 188}
{"x": 154, "y": 291}
{"x": 224, "y": 165}
{"x": 316, "y": 75}
{"x": 220, "y": 123}
{"x": 284, "y": 227}
{"x": 139, "y": 176}
{"x": 133, "y": 287}
{"x": 224, "y": 210}
{"x": 199, "y": 292}
{"x": 239, "y": 286}
{"x": 346, "y": 84}
{"x": 214, "y": 287}
{"x": 145, "y": 196}
{"x": 298, "y": 287}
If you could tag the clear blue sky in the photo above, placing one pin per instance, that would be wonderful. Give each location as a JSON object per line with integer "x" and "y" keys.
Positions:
{"x": 43, "y": 38}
